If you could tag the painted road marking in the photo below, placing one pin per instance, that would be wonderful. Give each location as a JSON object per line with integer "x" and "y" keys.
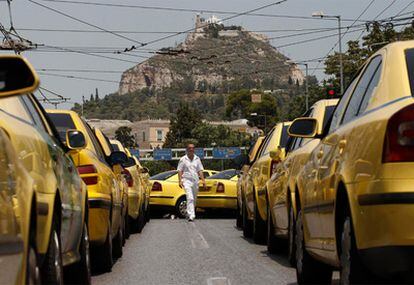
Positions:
{"x": 218, "y": 281}
{"x": 197, "y": 239}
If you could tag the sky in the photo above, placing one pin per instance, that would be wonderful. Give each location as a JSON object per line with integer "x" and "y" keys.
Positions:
{"x": 106, "y": 73}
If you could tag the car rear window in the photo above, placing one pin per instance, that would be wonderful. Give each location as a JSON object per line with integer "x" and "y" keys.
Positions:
{"x": 284, "y": 137}
{"x": 62, "y": 122}
{"x": 226, "y": 174}
{"x": 409, "y": 58}
{"x": 163, "y": 175}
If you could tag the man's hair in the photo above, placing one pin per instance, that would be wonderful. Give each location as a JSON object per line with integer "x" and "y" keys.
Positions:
{"x": 188, "y": 145}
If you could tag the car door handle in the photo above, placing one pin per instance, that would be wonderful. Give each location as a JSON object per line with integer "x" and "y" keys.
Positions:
{"x": 319, "y": 154}
{"x": 342, "y": 144}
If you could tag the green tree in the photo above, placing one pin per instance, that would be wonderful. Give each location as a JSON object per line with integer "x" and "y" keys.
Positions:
{"x": 181, "y": 125}
{"x": 123, "y": 134}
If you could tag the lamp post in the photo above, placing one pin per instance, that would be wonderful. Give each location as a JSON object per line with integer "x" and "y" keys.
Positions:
{"x": 321, "y": 15}
{"x": 265, "y": 120}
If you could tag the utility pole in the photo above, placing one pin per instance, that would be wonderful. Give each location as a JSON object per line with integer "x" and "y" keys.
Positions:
{"x": 83, "y": 102}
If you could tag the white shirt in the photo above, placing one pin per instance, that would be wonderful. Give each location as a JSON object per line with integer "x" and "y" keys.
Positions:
{"x": 190, "y": 168}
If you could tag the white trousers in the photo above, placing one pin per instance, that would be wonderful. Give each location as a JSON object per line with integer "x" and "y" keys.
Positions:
{"x": 191, "y": 190}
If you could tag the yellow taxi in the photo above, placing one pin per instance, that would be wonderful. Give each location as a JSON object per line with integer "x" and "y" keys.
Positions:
{"x": 104, "y": 192}
{"x": 136, "y": 191}
{"x": 166, "y": 193}
{"x": 47, "y": 220}
{"x": 283, "y": 183}
{"x": 118, "y": 170}
{"x": 241, "y": 183}
{"x": 220, "y": 191}
{"x": 254, "y": 210}
{"x": 355, "y": 193}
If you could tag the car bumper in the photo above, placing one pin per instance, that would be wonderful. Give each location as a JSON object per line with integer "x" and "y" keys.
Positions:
{"x": 99, "y": 212}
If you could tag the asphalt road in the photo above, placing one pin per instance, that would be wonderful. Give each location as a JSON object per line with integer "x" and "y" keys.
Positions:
{"x": 208, "y": 251}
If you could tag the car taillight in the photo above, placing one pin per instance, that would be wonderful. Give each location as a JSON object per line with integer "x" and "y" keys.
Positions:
{"x": 128, "y": 177}
{"x": 156, "y": 186}
{"x": 88, "y": 169}
{"x": 273, "y": 165}
{"x": 220, "y": 188}
{"x": 399, "y": 137}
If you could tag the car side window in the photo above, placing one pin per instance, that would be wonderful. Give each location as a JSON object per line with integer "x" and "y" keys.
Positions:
{"x": 15, "y": 107}
{"x": 360, "y": 89}
{"x": 95, "y": 143}
{"x": 266, "y": 147}
{"x": 34, "y": 113}
{"x": 266, "y": 143}
{"x": 370, "y": 90}
{"x": 206, "y": 174}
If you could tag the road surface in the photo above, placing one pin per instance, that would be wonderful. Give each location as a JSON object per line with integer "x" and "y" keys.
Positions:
{"x": 208, "y": 251}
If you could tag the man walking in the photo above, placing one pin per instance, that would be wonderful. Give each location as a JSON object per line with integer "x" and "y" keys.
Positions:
{"x": 190, "y": 170}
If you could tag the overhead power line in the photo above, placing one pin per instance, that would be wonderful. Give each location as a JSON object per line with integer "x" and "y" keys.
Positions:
{"x": 191, "y": 10}
{"x": 86, "y": 23}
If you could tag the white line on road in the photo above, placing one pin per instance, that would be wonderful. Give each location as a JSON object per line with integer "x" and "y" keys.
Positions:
{"x": 218, "y": 281}
{"x": 197, "y": 239}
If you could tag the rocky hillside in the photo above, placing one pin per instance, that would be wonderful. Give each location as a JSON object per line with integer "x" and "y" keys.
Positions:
{"x": 216, "y": 59}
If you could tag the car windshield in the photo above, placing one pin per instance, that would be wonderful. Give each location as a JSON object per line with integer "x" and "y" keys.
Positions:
{"x": 164, "y": 175}
{"x": 62, "y": 122}
{"x": 226, "y": 174}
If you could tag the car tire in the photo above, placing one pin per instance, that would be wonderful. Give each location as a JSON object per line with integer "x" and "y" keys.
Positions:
{"x": 140, "y": 221}
{"x": 181, "y": 207}
{"x": 308, "y": 269}
{"x": 291, "y": 238}
{"x": 52, "y": 268}
{"x": 239, "y": 218}
{"x": 147, "y": 214}
{"x": 247, "y": 224}
{"x": 117, "y": 242}
{"x": 127, "y": 229}
{"x": 352, "y": 271}
{"x": 80, "y": 272}
{"x": 259, "y": 226}
{"x": 103, "y": 258}
{"x": 32, "y": 268}
{"x": 274, "y": 244}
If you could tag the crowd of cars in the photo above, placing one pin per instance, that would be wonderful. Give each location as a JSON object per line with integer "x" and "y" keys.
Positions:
{"x": 335, "y": 191}
{"x": 69, "y": 197}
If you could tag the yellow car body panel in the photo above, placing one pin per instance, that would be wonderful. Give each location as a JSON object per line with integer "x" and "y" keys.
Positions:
{"x": 242, "y": 181}
{"x": 171, "y": 191}
{"x": 105, "y": 196}
{"x": 348, "y": 168}
{"x": 282, "y": 185}
{"x": 260, "y": 171}
{"x": 136, "y": 193}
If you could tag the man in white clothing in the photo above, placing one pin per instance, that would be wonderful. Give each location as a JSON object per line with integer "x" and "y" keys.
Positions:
{"x": 190, "y": 170}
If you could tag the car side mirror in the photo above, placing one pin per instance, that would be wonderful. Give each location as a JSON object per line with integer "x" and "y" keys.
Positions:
{"x": 144, "y": 170}
{"x": 303, "y": 128}
{"x": 75, "y": 140}
{"x": 17, "y": 76}
{"x": 130, "y": 162}
{"x": 118, "y": 157}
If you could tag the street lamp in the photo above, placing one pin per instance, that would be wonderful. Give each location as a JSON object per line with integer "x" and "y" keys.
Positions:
{"x": 265, "y": 120}
{"x": 321, "y": 15}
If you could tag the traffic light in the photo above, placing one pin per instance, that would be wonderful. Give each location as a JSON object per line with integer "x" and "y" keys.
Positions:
{"x": 330, "y": 91}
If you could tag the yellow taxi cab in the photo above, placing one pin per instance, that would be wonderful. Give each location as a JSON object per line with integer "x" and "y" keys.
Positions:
{"x": 104, "y": 192}
{"x": 254, "y": 210}
{"x": 282, "y": 184}
{"x": 118, "y": 170}
{"x": 356, "y": 190}
{"x": 136, "y": 191}
{"x": 166, "y": 193}
{"x": 51, "y": 213}
{"x": 241, "y": 182}
{"x": 220, "y": 191}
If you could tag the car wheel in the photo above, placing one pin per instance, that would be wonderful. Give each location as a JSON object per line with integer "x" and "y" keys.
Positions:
{"x": 127, "y": 231}
{"x": 103, "y": 259}
{"x": 32, "y": 269}
{"x": 352, "y": 270}
{"x": 80, "y": 272}
{"x": 239, "y": 218}
{"x": 274, "y": 244}
{"x": 308, "y": 270}
{"x": 247, "y": 224}
{"x": 259, "y": 226}
{"x": 291, "y": 238}
{"x": 52, "y": 269}
{"x": 181, "y": 207}
{"x": 140, "y": 221}
{"x": 147, "y": 214}
{"x": 117, "y": 243}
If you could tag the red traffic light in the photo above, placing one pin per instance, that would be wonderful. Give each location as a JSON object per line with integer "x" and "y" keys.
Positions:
{"x": 331, "y": 92}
